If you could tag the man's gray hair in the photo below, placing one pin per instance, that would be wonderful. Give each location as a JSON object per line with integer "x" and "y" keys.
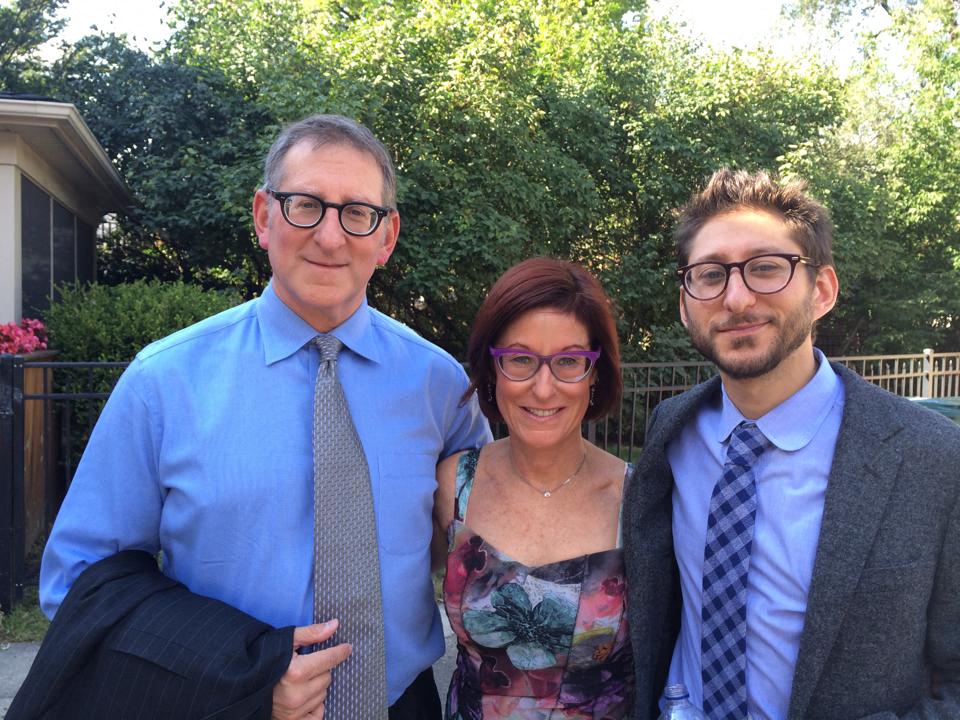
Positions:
{"x": 330, "y": 130}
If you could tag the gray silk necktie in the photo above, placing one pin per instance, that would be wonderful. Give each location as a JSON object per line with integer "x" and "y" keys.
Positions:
{"x": 346, "y": 566}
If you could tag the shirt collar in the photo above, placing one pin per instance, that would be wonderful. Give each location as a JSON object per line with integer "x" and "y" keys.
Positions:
{"x": 284, "y": 332}
{"x": 812, "y": 403}
{"x": 356, "y": 333}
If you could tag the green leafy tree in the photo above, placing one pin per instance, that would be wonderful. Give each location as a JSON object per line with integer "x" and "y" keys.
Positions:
{"x": 25, "y": 25}
{"x": 891, "y": 176}
{"x": 559, "y": 127}
{"x": 567, "y": 127}
{"x": 712, "y": 110}
{"x": 187, "y": 144}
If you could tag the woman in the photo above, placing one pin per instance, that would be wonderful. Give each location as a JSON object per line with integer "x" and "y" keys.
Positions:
{"x": 534, "y": 587}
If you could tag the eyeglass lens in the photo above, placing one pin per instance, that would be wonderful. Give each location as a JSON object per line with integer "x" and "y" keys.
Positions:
{"x": 306, "y": 211}
{"x": 763, "y": 274}
{"x": 566, "y": 368}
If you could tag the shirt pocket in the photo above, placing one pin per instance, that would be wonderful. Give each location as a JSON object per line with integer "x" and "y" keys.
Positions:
{"x": 405, "y": 501}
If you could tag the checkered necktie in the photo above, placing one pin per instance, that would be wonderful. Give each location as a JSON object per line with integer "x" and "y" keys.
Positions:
{"x": 726, "y": 561}
{"x": 346, "y": 567}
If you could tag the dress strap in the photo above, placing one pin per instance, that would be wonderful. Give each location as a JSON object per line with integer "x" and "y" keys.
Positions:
{"x": 628, "y": 473}
{"x": 466, "y": 470}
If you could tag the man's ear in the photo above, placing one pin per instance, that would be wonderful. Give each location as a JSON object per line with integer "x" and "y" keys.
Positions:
{"x": 261, "y": 218}
{"x": 683, "y": 308}
{"x": 826, "y": 287}
{"x": 392, "y": 227}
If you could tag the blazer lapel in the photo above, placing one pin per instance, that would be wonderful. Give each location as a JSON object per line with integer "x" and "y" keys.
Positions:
{"x": 652, "y": 470}
{"x": 865, "y": 465}
{"x": 654, "y": 595}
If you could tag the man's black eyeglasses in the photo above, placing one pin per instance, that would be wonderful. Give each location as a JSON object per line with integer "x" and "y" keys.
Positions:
{"x": 306, "y": 211}
{"x": 762, "y": 274}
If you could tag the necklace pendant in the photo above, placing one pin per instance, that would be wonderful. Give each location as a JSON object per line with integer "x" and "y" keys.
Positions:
{"x": 547, "y": 493}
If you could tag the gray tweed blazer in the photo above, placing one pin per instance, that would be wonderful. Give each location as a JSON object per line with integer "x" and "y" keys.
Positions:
{"x": 881, "y": 638}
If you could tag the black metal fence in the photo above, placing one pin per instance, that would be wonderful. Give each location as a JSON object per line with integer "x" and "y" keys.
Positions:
{"x": 47, "y": 410}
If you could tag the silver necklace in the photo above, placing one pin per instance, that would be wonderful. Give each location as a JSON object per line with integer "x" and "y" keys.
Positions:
{"x": 547, "y": 493}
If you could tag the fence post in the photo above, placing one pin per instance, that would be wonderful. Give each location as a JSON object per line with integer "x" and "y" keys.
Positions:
{"x": 12, "y": 550}
{"x": 926, "y": 385}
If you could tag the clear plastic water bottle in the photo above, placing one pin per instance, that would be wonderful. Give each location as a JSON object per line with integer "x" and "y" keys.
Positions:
{"x": 677, "y": 704}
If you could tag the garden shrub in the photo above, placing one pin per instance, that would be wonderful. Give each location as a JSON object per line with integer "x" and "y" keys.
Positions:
{"x": 113, "y": 322}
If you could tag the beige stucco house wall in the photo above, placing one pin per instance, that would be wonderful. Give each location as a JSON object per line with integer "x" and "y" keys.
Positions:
{"x": 56, "y": 184}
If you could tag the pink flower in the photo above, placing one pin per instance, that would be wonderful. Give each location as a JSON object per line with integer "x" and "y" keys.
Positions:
{"x": 27, "y": 337}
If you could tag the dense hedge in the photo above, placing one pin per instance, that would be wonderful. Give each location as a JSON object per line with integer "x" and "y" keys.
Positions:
{"x": 111, "y": 323}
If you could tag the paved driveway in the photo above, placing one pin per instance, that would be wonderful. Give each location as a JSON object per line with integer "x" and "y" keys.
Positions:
{"x": 15, "y": 661}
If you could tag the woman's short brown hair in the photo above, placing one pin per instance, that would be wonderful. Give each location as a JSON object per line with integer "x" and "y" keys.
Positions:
{"x": 546, "y": 283}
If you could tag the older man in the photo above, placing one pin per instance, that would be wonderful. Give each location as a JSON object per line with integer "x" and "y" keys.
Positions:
{"x": 281, "y": 455}
{"x": 816, "y": 518}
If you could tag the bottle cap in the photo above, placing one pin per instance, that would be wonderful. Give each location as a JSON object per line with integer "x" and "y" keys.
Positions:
{"x": 677, "y": 691}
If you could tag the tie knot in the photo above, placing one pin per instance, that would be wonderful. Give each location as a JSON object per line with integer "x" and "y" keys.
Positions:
{"x": 747, "y": 443}
{"x": 328, "y": 346}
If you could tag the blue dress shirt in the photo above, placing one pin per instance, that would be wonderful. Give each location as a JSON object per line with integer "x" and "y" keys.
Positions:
{"x": 791, "y": 484}
{"x": 204, "y": 452}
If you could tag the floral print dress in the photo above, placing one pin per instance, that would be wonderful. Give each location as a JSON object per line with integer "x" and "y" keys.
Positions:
{"x": 534, "y": 643}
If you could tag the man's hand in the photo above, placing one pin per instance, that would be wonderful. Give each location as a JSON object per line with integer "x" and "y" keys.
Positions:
{"x": 302, "y": 690}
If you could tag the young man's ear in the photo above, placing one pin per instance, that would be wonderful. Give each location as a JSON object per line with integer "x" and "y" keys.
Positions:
{"x": 825, "y": 290}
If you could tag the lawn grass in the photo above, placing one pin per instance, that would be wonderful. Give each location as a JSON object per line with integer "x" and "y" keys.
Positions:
{"x": 26, "y": 623}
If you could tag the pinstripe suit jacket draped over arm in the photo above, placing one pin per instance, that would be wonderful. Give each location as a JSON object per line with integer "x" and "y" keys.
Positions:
{"x": 129, "y": 642}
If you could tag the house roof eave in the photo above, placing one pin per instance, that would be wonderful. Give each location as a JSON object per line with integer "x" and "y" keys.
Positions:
{"x": 49, "y": 127}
